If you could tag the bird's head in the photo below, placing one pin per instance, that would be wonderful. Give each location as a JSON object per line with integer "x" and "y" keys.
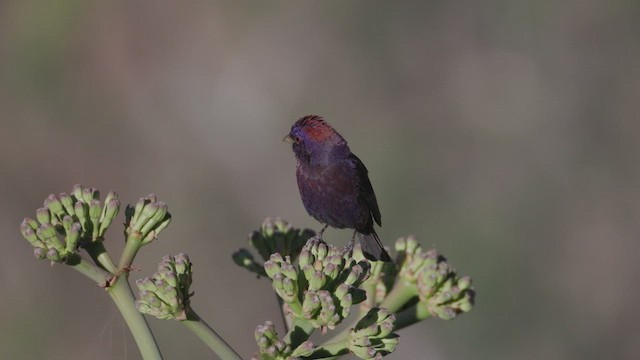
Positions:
{"x": 312, "y": 135}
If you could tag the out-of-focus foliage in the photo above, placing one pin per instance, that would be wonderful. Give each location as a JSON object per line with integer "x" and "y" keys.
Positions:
{"x": 503, "y": 133}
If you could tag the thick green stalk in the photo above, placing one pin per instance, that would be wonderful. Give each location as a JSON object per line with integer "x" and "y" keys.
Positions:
{"x": 286, "y": 321}
{"x": 401, "y": 293}
{"x": 329, "y": 351}
{"x": 99, "y": 254}
{"x": 411, "y": 315}
{"x": 296, "y": 308}
{"x": 338, "y": 340}
{"x": 370, "y": 301}
{"x": 209, "y": 336}
{"x": 87, "y": 269}
{"x": 300, "y": 331}
{"x": 122, "y": 295}
{"x": 133, "y": 244}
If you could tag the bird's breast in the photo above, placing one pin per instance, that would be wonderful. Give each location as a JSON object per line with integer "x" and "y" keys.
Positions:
{"x": 330, "y": 194}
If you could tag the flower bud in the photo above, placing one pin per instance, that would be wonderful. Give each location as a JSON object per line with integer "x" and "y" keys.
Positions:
{"x": 81, "y": 210}
{"x": 77, "y": 192}
{"x": 73, "y": 236}
{"x": 43, "y": 215}
{"x": 54, "y": 205}
{"x": 28, "y": 229}
{"x": 54, "y": 255}
{"x": 109, "y": 213}
{"x": 304, "y": 349}
{"x": 67, "y": 203}
{"x": 40, "y": 253}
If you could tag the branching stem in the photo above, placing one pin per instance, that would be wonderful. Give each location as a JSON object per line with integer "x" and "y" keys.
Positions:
{"x": 215, "y": 342}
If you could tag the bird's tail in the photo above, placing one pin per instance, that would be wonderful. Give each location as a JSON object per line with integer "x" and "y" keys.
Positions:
{"x": 372, "y": 247}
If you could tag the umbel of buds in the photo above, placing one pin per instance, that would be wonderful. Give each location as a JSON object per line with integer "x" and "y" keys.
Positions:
{"x": 278, "y": 236}
{"x": 165, "y": 295}
{"x": 146, "y": 219}
{"x": 373, "y": 336}
{"x": 69, "y": 220}
{"x": 272, "y": 348}
{"x": 322, "y": 287}
{"x": 274, "y": 236}
{"x": 441, "y": 292}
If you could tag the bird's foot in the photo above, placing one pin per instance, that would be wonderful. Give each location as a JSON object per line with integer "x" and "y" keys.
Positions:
{"x": 348, "y": 249}
{"x": 318, "y": 236}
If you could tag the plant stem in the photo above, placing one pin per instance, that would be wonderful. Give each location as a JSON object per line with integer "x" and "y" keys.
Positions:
{"x": 339, "y": 338}
{"x": 369, "y": 287}
{"x": 99, "y": 254}
{"x": 209, "y": 336}
{"x": 133, "y": 244}
{"x": 122, "y": 295}
{"x": 331, "y": 350}
{"x": 285, "y": 321}
{"x": 89, "y": 270}
{"x": 411, "y": 316}
{"x": 401, "y": 293}
{"x": 300, "y": 331}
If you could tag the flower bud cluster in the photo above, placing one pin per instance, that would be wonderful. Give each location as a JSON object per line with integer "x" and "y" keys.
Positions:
{"x": 165, "y": 295}
{"x": 147, "y": 218}
{"x": 68, "y": 220}
{"x": 322, "y": 287}
{"x": 278, "y": 236}
{"x": 439, "y": 288}
{"x": 275, "y": 236}
{"x": 373, "y": 336}
{"x": 273, "y": 348}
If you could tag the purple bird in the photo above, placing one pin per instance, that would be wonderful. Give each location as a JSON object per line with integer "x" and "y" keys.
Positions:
{"x": 334, "y": 185}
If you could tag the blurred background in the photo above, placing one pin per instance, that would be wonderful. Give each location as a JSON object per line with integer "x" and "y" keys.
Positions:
{"x": 504, "y": 133}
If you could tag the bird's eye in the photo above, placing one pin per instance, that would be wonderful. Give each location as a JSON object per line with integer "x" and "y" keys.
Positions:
{"x": 296, "y": 139}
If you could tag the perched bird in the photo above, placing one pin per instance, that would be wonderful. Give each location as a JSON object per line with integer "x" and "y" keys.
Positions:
{"x": 334, "y": 185}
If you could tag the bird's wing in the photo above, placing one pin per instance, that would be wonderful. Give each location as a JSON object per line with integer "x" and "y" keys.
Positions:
{"x": 366, "y": 190}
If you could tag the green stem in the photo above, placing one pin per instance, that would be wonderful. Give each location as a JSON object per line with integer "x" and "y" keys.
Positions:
{"x": 401, "y": 293}
{"x": 411, "y": 315}
{"x": 296, "y": 309}
{"x": 133, "y": 244}
{"x": 300, "y": 331}
{"x": 87, "y": 269}
{"x": 369, "y": 288}
{"x": 99, "y": 254}
{"x": 122, "y": 295}
{"x": 209, "y": 336}
{"x": 331, "y": 350}
{"x": 339, "y": 338}
{"x": 285, "y": 321}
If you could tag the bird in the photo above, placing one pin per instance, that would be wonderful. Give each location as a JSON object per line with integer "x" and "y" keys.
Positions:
{"x": 334, "y": 184}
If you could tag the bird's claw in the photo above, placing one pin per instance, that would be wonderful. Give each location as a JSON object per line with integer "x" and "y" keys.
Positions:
{"x": 317, "y": 237}
{"x": 348, "y": 249}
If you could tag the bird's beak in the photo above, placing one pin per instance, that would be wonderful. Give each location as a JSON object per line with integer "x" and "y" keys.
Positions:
{"x": 288, "y": 139}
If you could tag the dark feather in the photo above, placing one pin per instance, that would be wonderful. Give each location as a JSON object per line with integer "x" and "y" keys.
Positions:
{"x": 366, "y": 190}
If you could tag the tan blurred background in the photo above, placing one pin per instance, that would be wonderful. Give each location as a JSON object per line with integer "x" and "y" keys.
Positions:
{"x": 505, "y": 133}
